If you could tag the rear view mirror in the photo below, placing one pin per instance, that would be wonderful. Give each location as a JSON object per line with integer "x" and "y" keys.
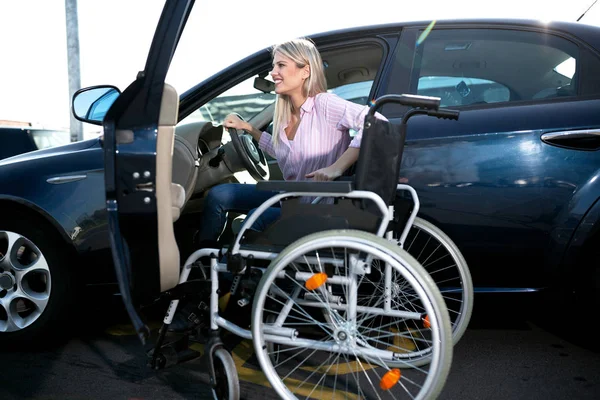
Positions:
{"x": 463, "y": 89}
{"x": 91, "y": 104}
{"x": 264, "y": 85}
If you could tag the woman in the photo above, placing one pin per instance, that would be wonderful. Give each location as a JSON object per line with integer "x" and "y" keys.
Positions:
{"x": 310, "y": 139}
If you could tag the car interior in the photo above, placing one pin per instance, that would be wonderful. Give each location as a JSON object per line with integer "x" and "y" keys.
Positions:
{"x": 204, "y": 154}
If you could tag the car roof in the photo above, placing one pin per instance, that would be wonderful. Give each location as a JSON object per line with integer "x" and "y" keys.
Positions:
{"x": 585, "y": 32}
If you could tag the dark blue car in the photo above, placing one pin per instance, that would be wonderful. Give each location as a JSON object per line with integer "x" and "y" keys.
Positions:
{"x": 514, "y": 182}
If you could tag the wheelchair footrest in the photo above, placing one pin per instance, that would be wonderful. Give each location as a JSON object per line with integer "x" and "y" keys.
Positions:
{"x": 191, "y": 287}
{"x": 172, "y": 353}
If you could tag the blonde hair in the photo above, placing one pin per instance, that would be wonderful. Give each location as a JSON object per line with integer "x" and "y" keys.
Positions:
{"x": 302, "y": 52}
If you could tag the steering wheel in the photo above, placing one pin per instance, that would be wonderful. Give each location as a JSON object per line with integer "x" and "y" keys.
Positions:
{"x": 252, "y": 156}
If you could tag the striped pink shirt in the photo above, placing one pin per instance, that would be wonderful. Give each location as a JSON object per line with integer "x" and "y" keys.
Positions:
{"x": 321, "y": 138}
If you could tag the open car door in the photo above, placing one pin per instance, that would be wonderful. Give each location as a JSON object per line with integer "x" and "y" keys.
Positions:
{"x": 138, "y": 148}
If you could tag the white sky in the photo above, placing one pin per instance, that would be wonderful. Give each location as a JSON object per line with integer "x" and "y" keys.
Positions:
{"x": 115, "y": 36}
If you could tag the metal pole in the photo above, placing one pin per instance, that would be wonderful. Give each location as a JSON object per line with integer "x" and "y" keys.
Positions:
{"x": 73, "y": 64}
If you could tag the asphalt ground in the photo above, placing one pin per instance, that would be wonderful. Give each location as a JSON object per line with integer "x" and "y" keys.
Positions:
{"x": 507, "y": 353}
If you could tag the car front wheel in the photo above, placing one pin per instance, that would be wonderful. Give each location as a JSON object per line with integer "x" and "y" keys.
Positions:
{"x": 36, "y": 286}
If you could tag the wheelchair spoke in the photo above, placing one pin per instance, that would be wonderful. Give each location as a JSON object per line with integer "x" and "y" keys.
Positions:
{"x": 427, "y": 264}
{"x": 301, "y": 311}
{"x": 299, "y": 364}
{"x": 367, "y": 375}
{"x": 442, "y": 259}
{"x": 316, "y": 370}
{"x": 294, "y": 348}
{"x": 338, "y": 349}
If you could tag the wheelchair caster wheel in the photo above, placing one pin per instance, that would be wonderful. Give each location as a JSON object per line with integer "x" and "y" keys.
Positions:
{"x": 226, "y": 385}
{"x": 166, "y": 357}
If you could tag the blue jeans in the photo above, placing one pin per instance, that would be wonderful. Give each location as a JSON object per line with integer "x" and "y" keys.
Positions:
{"x": 235, "y": 197}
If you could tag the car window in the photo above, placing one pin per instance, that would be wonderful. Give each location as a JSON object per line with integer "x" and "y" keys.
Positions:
{"x": 355, "y": 92}
{"x": 242, "y": 98}
{"x": 487, "y": 66}
{"x": 349, "y": 70}
{"x": 462, "y": 90}
{"x": 247, "y": 101}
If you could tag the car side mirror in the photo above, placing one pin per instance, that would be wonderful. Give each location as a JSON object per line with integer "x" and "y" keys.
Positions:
{"x": 264, "y": 85}
{"x": 92, "y": 103}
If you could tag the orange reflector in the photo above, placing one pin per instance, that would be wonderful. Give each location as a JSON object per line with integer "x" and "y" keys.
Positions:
{"x": 426, "y": 322}
{"x": 390, "y": 379}
{"x": 316, "y": 281}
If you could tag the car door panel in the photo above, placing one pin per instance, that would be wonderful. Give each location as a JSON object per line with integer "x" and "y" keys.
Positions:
{"x": 490, "y": 175}
{"x": 498, "y": 181}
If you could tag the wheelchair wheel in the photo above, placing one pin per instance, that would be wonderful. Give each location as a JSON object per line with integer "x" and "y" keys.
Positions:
{"x": 444, "y": 262}
{"x": 272, "y": 348}
{"x": 227, "y": 385}
{"x": 350, "y": 352}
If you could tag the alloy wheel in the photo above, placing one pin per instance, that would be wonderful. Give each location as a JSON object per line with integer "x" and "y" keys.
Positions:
{"x": 25, "y": 282}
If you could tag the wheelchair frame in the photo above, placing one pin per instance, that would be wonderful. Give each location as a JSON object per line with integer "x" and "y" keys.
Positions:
{"x": 439, "y": 362}
{"x": 437, "y": 357}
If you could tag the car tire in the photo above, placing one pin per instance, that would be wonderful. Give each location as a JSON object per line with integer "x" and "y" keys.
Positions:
{"x": 37, "y": 286}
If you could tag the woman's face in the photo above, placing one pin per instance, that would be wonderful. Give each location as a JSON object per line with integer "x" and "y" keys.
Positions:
{"x": 287, "y": 76}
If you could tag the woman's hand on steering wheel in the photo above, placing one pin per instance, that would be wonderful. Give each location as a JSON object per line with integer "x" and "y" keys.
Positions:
{"x": 251, "y": 156}
{"x": 234, "y": 121}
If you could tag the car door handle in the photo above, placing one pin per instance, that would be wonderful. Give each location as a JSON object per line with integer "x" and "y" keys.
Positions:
{"x": 583, "y": 139}
{"x": 57, "y": 180}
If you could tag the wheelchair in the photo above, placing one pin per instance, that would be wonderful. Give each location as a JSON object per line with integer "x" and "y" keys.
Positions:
{"x": 338, "y": 307}
{"x": 344, "y": 295}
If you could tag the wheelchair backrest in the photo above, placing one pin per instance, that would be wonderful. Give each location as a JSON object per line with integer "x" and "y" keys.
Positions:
{"x": 378, "y": 165}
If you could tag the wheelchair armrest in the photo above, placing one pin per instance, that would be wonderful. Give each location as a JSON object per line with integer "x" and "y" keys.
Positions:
{"x": 306, "y": 186}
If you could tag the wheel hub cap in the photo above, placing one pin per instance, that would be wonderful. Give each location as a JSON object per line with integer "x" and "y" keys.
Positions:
{"x": 6, "y": 281}
{"x": 344, "y": 335}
